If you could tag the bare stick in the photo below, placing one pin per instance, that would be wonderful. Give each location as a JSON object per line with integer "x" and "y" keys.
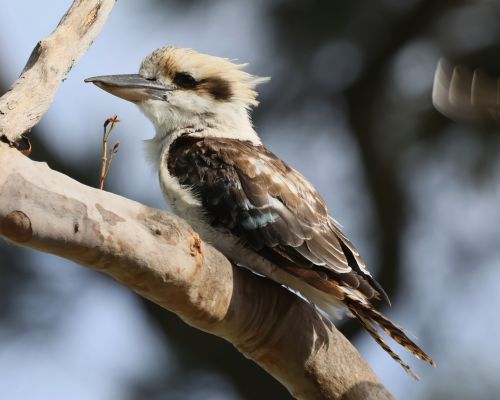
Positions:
{"x": 30, "y": 96}
{"x": 105, "y": 162}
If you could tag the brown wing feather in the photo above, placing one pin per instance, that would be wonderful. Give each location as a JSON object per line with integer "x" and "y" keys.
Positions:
{"x": 247, "y": 190}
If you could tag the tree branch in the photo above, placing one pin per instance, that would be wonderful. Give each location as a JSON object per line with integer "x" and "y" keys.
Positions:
{"x": 30, "y": 96}
{"x": 156, "y": 254}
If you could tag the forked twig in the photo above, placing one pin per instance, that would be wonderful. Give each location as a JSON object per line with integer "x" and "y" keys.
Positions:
{"x": 106, "y": 162}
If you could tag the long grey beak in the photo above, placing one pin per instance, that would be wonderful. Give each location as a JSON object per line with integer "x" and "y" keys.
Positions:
{"x": 131, "y": 87}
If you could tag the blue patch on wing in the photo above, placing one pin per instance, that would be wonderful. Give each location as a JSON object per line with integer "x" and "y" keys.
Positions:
{"x": 258, "y": 221}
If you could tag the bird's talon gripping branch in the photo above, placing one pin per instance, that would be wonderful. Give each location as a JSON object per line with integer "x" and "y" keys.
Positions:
{"x": 23, "y": 145}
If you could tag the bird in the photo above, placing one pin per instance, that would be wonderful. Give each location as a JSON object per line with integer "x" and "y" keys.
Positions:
{"x": 241, "y": 198}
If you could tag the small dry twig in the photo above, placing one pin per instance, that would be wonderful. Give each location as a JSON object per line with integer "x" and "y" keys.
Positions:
{"x": 106, "y": 162}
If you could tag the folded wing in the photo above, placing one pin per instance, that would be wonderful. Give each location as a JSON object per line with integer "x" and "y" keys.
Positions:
{"x": 248, "y": 191}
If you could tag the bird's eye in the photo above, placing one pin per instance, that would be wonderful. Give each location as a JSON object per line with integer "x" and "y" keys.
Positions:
{"x": 185, "y": 80}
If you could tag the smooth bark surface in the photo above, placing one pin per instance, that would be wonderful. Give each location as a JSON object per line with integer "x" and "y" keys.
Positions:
{"x": 160, "y": 257}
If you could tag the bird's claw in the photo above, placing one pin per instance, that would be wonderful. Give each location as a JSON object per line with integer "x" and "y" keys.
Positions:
{"x": 23, "y": 145}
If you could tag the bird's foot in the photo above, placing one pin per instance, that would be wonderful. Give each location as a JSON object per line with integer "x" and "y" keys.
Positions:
{"x": 23, "y": 145}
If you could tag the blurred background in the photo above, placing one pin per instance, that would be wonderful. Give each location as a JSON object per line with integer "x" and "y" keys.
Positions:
{"x": 349, "y": 105}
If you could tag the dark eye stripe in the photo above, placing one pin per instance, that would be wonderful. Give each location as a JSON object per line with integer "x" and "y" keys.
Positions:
{"x": 220, "y": 89}
{"x": 185, "y": 80}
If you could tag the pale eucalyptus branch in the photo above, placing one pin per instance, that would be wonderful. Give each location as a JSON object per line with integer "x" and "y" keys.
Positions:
{"x": 158, "y": 255}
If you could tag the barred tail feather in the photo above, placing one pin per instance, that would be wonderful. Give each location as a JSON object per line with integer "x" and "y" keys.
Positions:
{"x": 332, "y": 303}
{"x": 368, "y": 316}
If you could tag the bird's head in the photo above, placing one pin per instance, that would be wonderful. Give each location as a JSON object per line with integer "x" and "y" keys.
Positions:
{"x": 179, "y": 88}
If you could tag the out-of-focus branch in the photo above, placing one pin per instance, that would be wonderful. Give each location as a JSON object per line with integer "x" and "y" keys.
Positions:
{"x": 465, "y": 95}
{"x": 30, "y": 96}
{"x": 162, "y": 259}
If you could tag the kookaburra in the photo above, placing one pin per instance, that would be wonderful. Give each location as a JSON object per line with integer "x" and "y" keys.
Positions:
{"x": 242, "y": 199}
